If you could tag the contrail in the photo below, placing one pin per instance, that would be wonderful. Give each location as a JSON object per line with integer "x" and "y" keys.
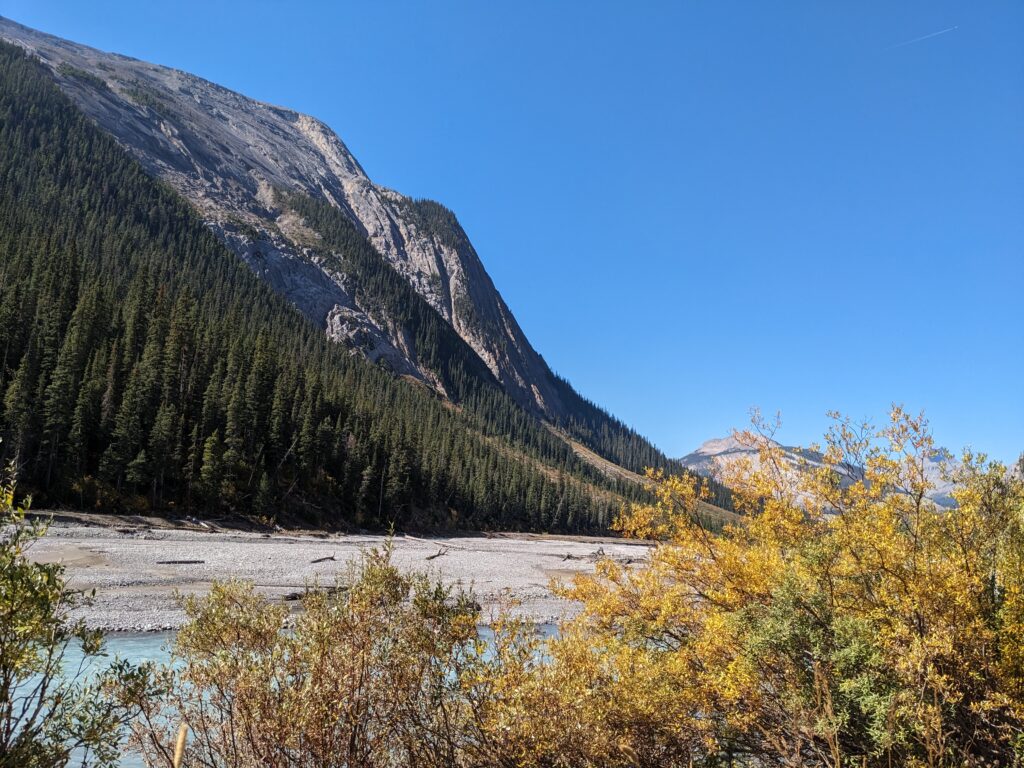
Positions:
{"x": 923, "y": 37}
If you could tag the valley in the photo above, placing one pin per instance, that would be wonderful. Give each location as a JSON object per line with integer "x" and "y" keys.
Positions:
{"x": 285, "y": 483}
{"x": 209, "y": 307}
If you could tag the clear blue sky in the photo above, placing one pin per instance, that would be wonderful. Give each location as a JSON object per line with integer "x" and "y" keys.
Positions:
{"x": 692, "y": 208}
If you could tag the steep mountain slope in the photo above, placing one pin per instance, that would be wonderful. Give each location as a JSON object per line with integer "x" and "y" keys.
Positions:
{"x": 143, "y": 364}
{"x": 395, "y": 279}
{"x": 717, "y": 454}
{"x": 230, "y": 156}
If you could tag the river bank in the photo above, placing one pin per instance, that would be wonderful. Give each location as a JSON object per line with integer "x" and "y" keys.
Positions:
{"x": 138, "y": 566}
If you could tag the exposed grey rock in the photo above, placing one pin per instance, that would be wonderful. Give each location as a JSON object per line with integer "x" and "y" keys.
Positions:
{"x": 227, "y": 153}
{"x": 716, "y": 455}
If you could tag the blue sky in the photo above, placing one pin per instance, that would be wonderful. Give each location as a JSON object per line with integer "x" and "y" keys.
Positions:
{"x": 692, "y": 208}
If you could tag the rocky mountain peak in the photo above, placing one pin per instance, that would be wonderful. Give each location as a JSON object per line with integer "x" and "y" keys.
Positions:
{"x": 230, "y": 156}
{"x": 718, "y": 454}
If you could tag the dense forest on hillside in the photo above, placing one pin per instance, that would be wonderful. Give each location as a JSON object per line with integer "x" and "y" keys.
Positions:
{"x": 141, "y": 363}
{"x": 463, "y": 375}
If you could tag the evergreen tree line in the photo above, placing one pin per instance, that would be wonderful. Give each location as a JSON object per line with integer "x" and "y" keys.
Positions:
{"x": 610, "y": 438}
{"x": 382, "y": 291}
{"x": 142, "y": 363}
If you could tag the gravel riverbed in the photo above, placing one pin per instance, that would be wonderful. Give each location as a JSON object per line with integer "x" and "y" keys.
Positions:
{"x": 139, "y": 566}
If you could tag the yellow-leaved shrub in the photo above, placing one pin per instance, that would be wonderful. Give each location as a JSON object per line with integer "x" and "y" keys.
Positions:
{"x": 847, "y": 621}
{"x": 844, "y": 620}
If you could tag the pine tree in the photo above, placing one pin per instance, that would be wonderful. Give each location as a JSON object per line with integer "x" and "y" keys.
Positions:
{"x": 212, "y": 472}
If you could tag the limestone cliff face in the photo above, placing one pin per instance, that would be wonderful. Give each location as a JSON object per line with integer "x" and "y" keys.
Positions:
{"x": 229, "y": 154}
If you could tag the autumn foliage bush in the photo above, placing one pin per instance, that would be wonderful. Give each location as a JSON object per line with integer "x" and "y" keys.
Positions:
{"x": 367, "y": 675}
{"x": 63, "y": 700}
{"x": 847, "y": 621}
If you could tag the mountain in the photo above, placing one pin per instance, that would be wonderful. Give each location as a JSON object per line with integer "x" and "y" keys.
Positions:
{"x": 232, "y": 157}
{"x": 395, "y": 279}
{"x": 178, "y": 333}
{"x": 719, "y": 453}
{"x": 144, "y": 365}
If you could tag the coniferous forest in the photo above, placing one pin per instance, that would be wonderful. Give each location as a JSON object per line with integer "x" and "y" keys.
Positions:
{"x": 143, "y": 365}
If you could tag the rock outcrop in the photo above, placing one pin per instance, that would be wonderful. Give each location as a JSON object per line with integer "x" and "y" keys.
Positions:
{"x": 229, "y": 155}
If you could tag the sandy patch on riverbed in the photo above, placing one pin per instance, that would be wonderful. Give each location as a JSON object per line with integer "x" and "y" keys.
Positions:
{"x": 137, "y": 566}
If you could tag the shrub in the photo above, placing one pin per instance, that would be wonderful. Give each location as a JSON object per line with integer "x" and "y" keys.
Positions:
{"x": 51, "y": 711}
{"x": 367, "y": 675}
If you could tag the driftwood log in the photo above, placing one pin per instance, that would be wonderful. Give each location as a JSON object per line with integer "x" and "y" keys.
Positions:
{"x": 180, "y": 562}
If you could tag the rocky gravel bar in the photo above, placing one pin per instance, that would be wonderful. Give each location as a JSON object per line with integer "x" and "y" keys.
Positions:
{"x": 139, "y": 567}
